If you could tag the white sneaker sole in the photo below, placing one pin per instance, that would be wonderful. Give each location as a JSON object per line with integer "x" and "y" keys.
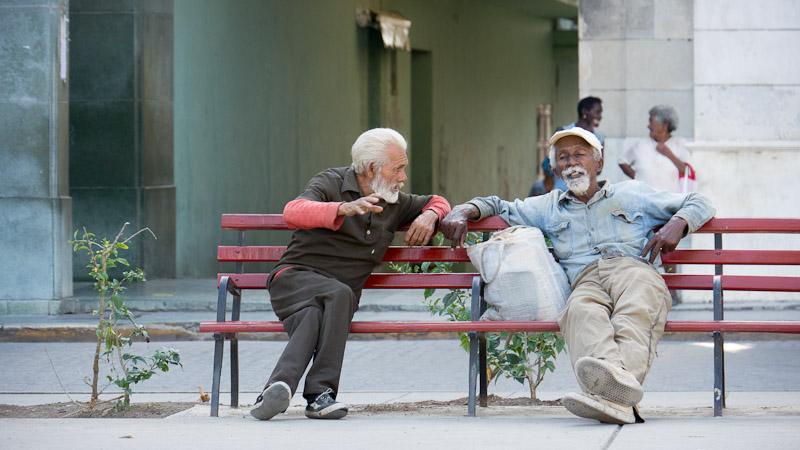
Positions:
{"x": 335, "y": 411}
{"x": 275, "y": 399}
{"x": 602, "y": 378}
{"x": 583, "y": 406}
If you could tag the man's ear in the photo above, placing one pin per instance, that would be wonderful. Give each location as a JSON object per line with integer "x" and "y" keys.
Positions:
{"x": 600, "y": 166}
{"x": 372, "y": 170}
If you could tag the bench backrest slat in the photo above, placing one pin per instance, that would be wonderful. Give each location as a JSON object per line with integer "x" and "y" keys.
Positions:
{"x": 747, "y": 225}
{"x": 399, "y": 254}
{"x": 244, "y": 222}
{"x": 715, "y": 225}
{"x": 734, "y": 282}
{"x": 276, "y": 222}
{"x": 754, "y": 257}
{"x": 375, "y": 281}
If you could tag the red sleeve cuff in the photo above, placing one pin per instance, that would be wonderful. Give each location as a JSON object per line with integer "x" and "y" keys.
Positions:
{"x": 308, "y": 214}
{"x": 440, "y": 206}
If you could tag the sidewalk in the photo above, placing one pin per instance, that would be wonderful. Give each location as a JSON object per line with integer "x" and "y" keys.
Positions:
{"x": 763, "y": 401}
{"x": 748, "y": 426}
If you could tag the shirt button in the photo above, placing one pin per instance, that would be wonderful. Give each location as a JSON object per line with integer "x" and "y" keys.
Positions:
{"x": 369, "y": 232}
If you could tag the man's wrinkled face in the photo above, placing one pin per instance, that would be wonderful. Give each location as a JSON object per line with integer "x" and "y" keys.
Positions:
{"x": 392, "y": 176}
{"x": 576, "y": 165}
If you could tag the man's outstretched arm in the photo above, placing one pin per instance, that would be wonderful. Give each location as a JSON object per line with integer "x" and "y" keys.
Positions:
{"x": 454, "y": 226}
{"x": 307, "y": 214}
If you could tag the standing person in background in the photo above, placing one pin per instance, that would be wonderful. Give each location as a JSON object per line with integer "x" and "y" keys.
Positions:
{"x": 590, "y": 113}
{"x": 662, "y": 161}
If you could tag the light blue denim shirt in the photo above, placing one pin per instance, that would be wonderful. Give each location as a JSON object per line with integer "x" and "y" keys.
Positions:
{"x": 619, "y": 218}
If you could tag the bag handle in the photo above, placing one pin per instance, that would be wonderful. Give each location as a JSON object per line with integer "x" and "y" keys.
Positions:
{"x": 499, "y": 262}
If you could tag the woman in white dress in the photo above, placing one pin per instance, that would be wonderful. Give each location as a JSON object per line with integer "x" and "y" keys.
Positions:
{"x": 662, "y": 161}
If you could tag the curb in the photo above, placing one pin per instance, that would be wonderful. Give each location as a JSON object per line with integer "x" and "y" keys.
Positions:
{"x": 188, "y": 332}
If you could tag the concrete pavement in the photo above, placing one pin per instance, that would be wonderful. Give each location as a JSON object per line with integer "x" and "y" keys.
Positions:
{"x": 763, "y": 387}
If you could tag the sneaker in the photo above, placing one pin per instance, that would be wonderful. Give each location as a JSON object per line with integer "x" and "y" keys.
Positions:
{"x": 326, "y": 407}
{"x": 597, "y": 408}
{"x": 274, "y": 399}
{"x": 611, "y": 382}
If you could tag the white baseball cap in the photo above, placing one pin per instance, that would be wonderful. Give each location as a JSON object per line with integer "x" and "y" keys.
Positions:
{"x": 586, "y": 135}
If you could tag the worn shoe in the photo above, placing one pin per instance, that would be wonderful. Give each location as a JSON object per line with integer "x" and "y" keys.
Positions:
{"x": 274, "y": 399}
{"x": 326, "y": 407}
{"x": 597, "y": 408}
{"x": 609, "y": 381}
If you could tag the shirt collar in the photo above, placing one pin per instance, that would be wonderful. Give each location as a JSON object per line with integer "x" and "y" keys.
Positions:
{"x": 605, "y": 191}
{"x": 350, "y": 182}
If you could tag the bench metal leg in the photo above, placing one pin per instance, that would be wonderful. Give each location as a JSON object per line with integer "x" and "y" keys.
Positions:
{"x": 219, "y": 347}
{"x": 719, "y": 373}
{"x": 473, "y": 345}
{"x": 483, "y": 372}
{"x": 235, "y": 312}
{"x": 473, "y": 367}
{"x": 719, "y": 350}
{"x": 234, "y": 372}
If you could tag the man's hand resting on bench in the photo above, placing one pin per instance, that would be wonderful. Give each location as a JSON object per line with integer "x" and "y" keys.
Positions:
{"x": 422, "y": 228}
{"x": 454, "y": 226}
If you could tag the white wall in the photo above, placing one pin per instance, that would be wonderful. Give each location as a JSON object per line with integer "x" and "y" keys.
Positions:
{"x": 635, "y": 54}
{"x": 731, "y": 70}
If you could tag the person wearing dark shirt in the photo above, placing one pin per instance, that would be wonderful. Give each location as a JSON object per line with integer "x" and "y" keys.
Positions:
{"x": 345, "y": 220}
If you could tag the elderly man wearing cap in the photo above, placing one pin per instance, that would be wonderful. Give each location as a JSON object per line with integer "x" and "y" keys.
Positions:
{"x": 603, "y": 237}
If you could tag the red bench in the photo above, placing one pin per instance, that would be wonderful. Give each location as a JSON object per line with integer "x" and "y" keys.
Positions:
{"x": 235, "y": 283}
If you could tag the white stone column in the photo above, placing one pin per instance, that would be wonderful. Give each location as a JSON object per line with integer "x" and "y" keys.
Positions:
{"x": 747, "y": 119}
{"x": 635, "y": 54}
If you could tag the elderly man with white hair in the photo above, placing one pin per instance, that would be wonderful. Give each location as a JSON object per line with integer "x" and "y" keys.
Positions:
{"x": 345, "y": 220}
{"x": 602, "y": 235}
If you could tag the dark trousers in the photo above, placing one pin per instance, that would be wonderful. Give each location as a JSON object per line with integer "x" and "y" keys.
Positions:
{"x": 316, "y": 311}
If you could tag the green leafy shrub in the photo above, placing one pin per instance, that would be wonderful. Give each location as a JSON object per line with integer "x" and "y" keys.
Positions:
{"x": 128, "y": 369}
{"x": 518, "y": 355}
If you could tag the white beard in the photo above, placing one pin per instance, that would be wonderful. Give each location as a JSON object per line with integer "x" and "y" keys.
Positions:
{"x": 382, "y": 187}
{"x": 578, "y": 186}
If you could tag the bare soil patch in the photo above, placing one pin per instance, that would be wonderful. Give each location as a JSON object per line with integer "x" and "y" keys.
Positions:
{"x": 155, "y": 410}
{"x": 459, "y": 406}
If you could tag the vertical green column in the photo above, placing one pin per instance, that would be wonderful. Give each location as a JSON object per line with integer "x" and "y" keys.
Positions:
{"x": 35, "y": 260}
{"x": 121, "y": 151}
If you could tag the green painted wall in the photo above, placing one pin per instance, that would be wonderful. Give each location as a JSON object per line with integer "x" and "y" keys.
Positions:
{"x": 268, "y": 93}
{"x": 121, "y": 128}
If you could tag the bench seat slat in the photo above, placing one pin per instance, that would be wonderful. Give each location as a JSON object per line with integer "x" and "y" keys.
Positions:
{"x": 375, "y": 281}
{"x": 792, "y": 327}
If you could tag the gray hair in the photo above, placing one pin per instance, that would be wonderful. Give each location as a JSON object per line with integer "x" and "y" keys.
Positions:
{"x": 597, "y": 156}
{"x": 665, "y": 114}
{"x": 370, "y": 147}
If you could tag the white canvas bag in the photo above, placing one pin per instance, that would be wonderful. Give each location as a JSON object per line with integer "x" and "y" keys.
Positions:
{"x": 523, "y": 281}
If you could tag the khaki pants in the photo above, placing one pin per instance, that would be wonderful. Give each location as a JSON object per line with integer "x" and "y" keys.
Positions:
{"x": 617, "y": 312}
